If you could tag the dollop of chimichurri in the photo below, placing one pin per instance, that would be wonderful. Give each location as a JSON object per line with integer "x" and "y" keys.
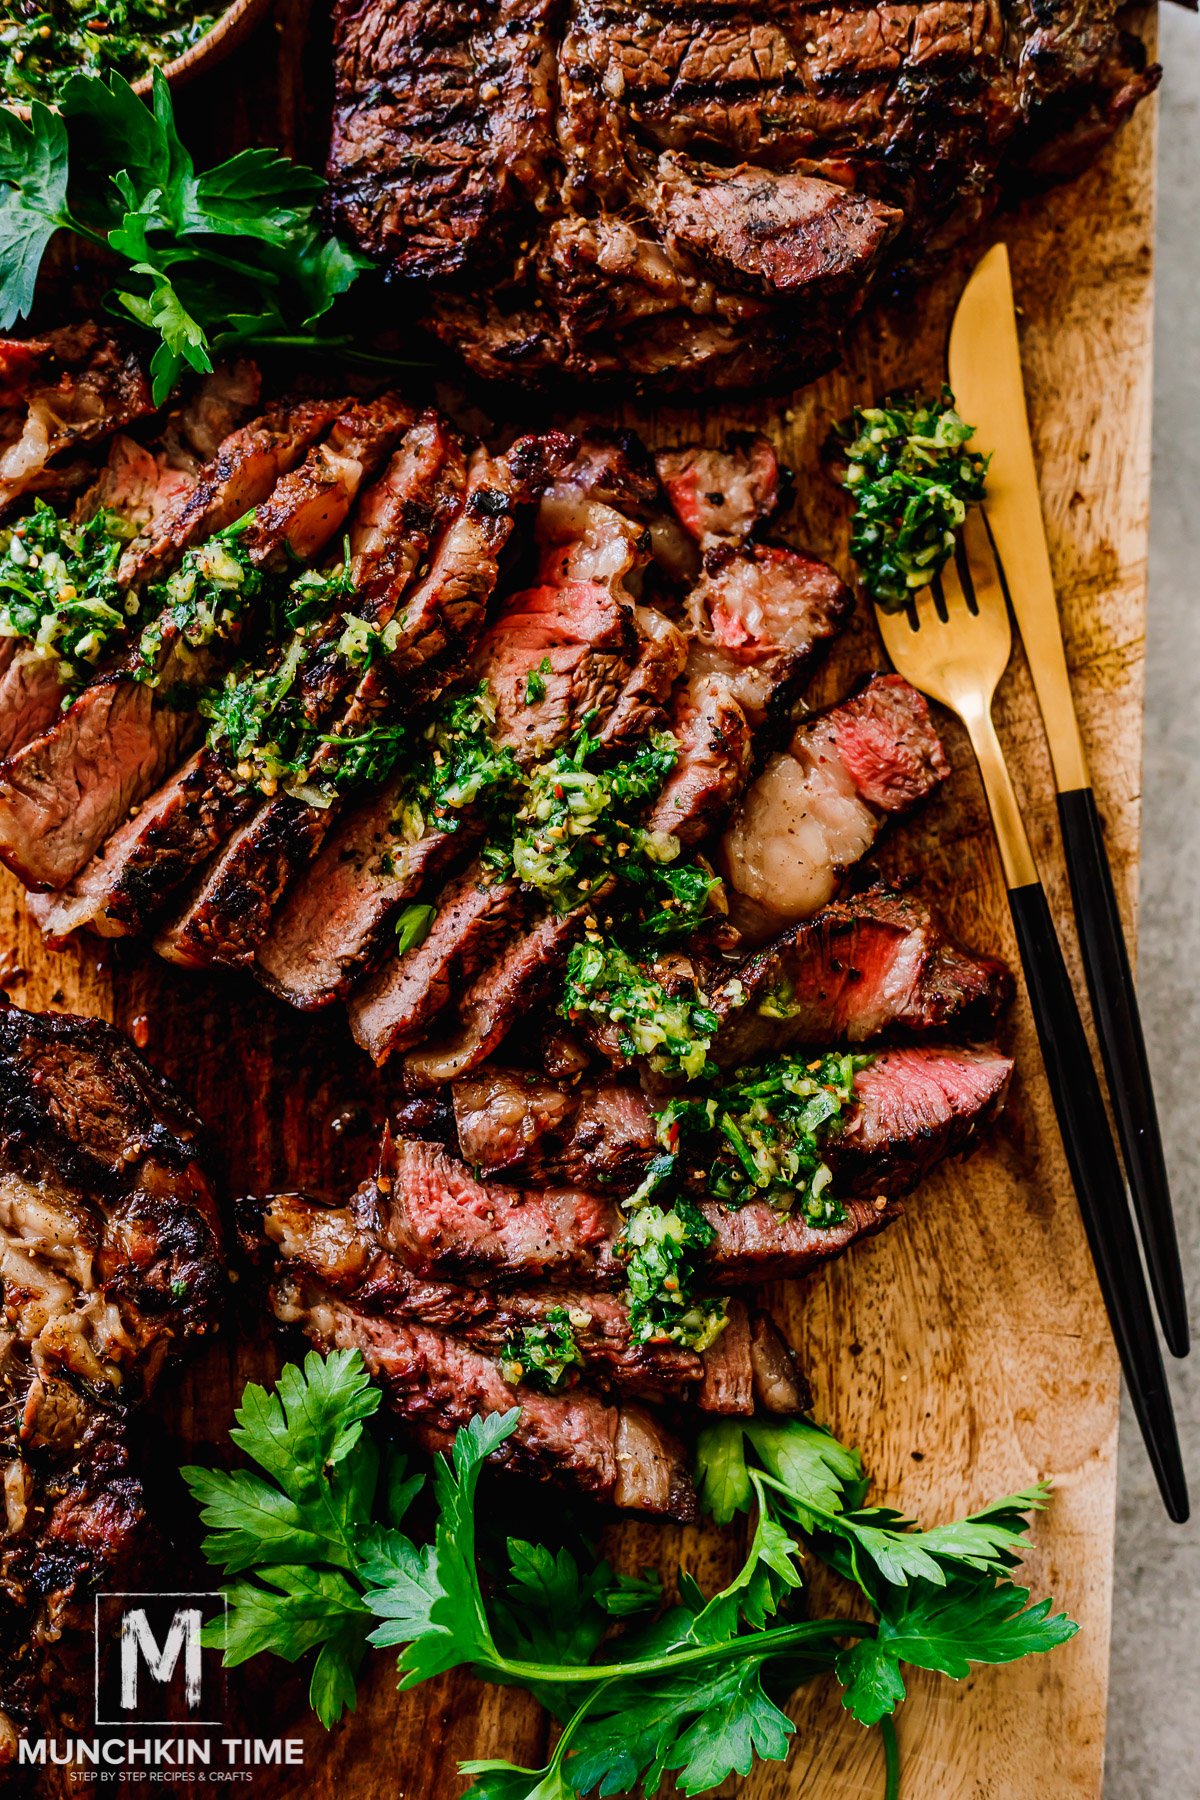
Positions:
{"x": 42, "y": 46}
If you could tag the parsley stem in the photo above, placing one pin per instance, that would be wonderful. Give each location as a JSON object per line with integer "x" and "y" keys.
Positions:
{"x": 344, "y": 343}
{"x": 760, "y": 1645}
{"x": 891, "y": 1758}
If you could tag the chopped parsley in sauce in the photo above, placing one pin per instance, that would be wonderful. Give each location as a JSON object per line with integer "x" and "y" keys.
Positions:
{"x": 762, "y": 1133}
{"x": 912, "y": 479}
{"x": 674, "y": 1032}
{"x": 58, "y": 588}
{"x": 543, "y": 1356}
{"x": 43, "y": 45}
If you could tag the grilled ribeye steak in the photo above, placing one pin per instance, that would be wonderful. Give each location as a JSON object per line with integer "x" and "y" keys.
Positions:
{"x": 110, "y": 1259}
{"x": 706, "y": 192}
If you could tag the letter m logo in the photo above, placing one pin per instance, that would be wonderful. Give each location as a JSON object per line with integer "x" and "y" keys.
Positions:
{"x": 138, "y": 1645}
{"x": 150, "y": 1667}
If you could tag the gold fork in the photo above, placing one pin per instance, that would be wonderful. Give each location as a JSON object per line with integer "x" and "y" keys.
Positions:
{"x": 954, "y": 644}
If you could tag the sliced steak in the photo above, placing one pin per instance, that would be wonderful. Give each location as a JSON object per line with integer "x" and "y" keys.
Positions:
{"x": 876, "y": 963}
{"x": 446, "y": 1225}
{"x": 758, "y": 620}
{"x": 131, "y": 877}
{"x": 721, "y": 496}
{"x": 67, "y": 790}
{"x": 552, "y": 656}
{"x": 155, "y": 491}
{"x": 337, "y": 1248}
{"x": 517, "y": 981}
{"x": 818, "y": 807}
{"x": 149, "y": 857}
{"x": 446, "y": 611}
{"x": 239, "y": 477}
{"x": 756, "y": 1243}
{"x": 434, "y": 1385}
{"x": 715, "y": 751}
{"x": 393, "y": 1009}
{"x": 63, "y": 390}
{"x": 913, "y": 1108}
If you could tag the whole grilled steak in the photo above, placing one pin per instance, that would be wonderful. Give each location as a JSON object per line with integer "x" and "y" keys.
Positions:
{"x": 110, "y": 1258}
{"x": 704, "y": 192}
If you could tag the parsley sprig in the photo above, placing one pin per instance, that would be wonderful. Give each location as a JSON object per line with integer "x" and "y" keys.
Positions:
{"x": 233, "y": 255}
{"x": 322, "y": 1563}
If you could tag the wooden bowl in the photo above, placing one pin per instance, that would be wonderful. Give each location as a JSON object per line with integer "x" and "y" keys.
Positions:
{"x": 227, "y": 32}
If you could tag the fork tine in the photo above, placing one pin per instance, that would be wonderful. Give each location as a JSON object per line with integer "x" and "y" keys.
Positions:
{"x": 981, "y": 561}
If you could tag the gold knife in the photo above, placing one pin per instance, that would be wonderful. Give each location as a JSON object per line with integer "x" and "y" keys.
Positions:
{"x": 989, "y": 391}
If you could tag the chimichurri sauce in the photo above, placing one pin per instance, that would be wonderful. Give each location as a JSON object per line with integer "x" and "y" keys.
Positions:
{"x": 42, "y": 46}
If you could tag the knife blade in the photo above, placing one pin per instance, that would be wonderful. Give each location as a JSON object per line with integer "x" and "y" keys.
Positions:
{"x": 989, "y": 390}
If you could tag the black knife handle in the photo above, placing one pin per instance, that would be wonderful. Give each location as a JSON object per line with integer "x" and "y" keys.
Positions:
{"x": 1123, "y": 1048}
{"x": 1099, "y": 1188}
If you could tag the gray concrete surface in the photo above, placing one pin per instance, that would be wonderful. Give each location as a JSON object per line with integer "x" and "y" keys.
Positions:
{"x": 1154, "y": 1697}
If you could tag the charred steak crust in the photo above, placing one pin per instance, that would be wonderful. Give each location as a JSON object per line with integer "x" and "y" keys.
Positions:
{"x": 697, "y": 193}
{"x": 110, "y": 1259}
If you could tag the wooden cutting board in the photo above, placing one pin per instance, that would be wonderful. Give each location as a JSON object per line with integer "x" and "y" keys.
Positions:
{"x": 965, "y": 1350}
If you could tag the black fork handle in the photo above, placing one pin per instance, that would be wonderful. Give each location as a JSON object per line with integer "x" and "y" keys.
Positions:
{"x": 1099, "y": 1188}
{"x": 1123, "y": 1048}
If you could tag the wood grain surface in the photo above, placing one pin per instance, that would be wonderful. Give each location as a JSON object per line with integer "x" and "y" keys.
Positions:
{"x": 965, "y": 1350}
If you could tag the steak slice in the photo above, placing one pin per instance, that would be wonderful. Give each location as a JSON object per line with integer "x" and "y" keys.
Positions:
{"x": 513, "y": 1122}
{"x": 434, "y": 1385}
{"x": 817, "y": 808}
{"x": 231, "y": 914}
{"x": 338, "y": 1247}
{"x": 759, "y": 619}
{"x": 913, "y": 1107}
{"x": 875, "y": 963}
{"x": 337, "y": 918}
{"x": 579, "y": 641}
{"x": 445, "y": 1225}
{"x": 110, "y": 1260}
{"x": 393, "y": 1009}
{"x": 516, "y": 982}
{"x": 65, "y": 389}
{"x": 239, "y": 477}
{"x": 66, "y": 791}
{"x": 715, "y": 751}
{"x": 446, "y": 610}
{"x": 132, "y": 875}
{"x": 721, "y": 497}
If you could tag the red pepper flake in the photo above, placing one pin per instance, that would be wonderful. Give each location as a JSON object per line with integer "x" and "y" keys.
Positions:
{"x": 141, "y": 1030}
